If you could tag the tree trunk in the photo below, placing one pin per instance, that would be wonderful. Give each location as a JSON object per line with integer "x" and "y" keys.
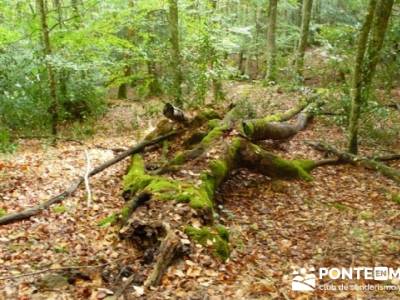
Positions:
{"x": 173, "y": 21}
{"x": 54, "y": 105}
{"x": 271, "y": 43}
{"x": 76, "y": 13}
{"x": 216, "y": 81}
{"x": 123, "y": 88}
{"x": 305, "y": 24}
{"x": 154, "y": 86}
{"x": 376, "y": 20}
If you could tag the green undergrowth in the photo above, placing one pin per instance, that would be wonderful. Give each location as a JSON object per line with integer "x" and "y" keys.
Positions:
{"x": 216, "y": 236}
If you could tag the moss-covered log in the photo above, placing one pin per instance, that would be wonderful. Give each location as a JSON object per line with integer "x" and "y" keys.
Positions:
{"x": 270, "y": 127}
{"x": 217, "y": 129}
{"x": 267, "y": 163}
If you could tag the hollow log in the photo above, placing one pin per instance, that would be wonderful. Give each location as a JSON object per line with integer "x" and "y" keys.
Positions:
{"x": 174, "y": 113}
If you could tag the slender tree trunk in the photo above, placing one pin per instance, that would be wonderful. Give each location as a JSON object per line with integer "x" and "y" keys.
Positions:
{"x": 176, "y": 54}
{"x": 240, "y": 62}
{"x": 305, "y": 25}
{"x": 271, "y": 43}
{"x": 76, "y": 13}
{"x": 216, "y": 81}
{"x": 154, "y": 87}
{"x": 63, "y": 74}
{"x": 376, "y": 21}
{"x": 123, "y": 88}
{"x": 54, "y": 106}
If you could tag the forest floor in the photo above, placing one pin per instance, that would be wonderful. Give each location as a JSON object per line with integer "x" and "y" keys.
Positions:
{"x": 344, "y": 217}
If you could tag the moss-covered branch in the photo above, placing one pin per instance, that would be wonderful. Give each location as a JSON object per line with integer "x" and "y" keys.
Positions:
{"x": 264, "y": 162}
{"x": 218, "y": 127}
{"x": 270, "y": 127}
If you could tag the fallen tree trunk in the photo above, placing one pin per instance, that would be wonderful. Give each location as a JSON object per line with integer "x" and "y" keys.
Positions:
{"x": 217, "y": 130}
{"x": 373, "y": 164}
{"x": 167, "y": 198}
{"x": 271, "y": 127}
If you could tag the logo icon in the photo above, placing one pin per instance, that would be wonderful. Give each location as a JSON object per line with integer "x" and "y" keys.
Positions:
{"x": 304, "y": 280}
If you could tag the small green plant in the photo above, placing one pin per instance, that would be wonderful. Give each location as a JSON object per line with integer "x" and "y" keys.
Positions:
{"x": 107, "y": 221}
{"x": 396, "y": 198}
{"x": 60, "y": 249}
{"x": 218, "y": 236}
{"x": 366, "y": 215}
{"x": 59, "y": 209}
{"x": 6, "y": 145}
{"x": 3, "y": 212}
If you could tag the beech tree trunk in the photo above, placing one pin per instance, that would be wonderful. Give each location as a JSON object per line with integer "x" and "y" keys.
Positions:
{"x": 123, "y": 88}
{"x": 271, "y": 43}
{"x": 305, "y": 25}
{"x": 372, "y": 34}
{"x": 216, "y": 81}
{"x": 173, "y": 20}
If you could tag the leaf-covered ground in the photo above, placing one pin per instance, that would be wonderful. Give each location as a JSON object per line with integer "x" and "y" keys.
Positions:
{"x": 344, "y": 217}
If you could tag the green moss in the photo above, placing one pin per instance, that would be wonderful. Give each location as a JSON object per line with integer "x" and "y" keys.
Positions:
{"x": 3, "y": 212}
{"x": 217, "y": 235}
{"x": 214, "y": 134}
{"x": 179, "y": 159}
{"x": 59, "y": 209}
{"x": 223, "y": 232}
{"x": 210, "y": 114}
{"x": 293, "y": 168}
{"x": 200, "y": 199}
{"x": 213, "y": 123}
{"x": 107, "y": 221}
{"x": 396, "y": 198}
{"x": 219, "y": 169}
{"x": 247, "y": 128}
{"x": 233, "y": 149}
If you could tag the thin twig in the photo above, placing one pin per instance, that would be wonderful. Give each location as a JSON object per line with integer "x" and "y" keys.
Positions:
{"x": 27, "y": 213}
{"x": 57, "y": 269}
{"x": 86, "y": 177}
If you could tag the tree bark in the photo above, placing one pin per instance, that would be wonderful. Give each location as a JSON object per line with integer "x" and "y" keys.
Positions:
{"x": 376, "y": 22}
{"x": 271, "y": 41}
{"x": 173, "y": 21}
{"x": 305, "y": 25}
{"x": 270, "y": 127}
{"x": 216, "y": 81}
{"x": 54, "y": 105}
{"x": 123, "y": 88}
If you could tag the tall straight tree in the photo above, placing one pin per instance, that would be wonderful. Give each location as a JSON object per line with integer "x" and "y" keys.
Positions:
{"x": 173, "y": 20}
{"x": 216, "y": 82}
{"x": 123, "y": 87}
{"x": 47, "y": 51}
{"x": 305, "y": 25}
{"x": 271, "y": 43}
{"x": 369, "y": 46}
